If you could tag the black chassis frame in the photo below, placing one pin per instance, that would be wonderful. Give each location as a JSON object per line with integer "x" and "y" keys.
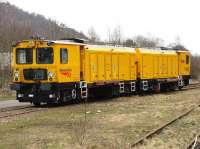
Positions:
{"x": 152, "y": 82}
{"x": 41, "y": 91}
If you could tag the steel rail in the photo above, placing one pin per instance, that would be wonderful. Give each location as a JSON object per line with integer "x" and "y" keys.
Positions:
{"x": 18, "y": 112}
{"x": 194, "y": 144}
{"x": 161, "y": 128}
{"x": 13, "y": 108}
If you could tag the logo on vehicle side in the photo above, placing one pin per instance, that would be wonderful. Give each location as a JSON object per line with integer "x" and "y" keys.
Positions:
{"x": 66, "y": 72}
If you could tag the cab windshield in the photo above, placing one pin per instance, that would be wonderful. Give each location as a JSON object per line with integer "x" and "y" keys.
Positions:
{"x": 44, "y": 55}
{"x": 24, "y": 55}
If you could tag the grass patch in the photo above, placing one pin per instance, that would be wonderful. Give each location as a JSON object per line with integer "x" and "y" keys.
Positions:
{"x": 113, "y": 123}
{"x": 3, "y": 98}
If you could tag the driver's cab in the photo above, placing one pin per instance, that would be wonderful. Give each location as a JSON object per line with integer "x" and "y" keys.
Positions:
{"x": 46, "y": 61}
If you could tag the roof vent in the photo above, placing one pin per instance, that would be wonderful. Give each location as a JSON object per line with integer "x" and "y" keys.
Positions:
{"x": 166, "y": 48}
{"x": 77, "y": 40}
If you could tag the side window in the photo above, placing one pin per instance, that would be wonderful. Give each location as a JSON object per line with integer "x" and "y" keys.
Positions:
{"x": 187, "y": 59}
{"x": 63, "y": 56}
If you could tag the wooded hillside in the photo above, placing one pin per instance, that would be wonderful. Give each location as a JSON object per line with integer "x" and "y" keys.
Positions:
{"x": 16, "y": 24}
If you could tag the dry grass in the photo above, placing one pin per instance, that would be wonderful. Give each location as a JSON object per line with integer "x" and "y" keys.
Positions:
{"x": 6, "y": 93}
{"x": 177, "y": 135}
{"x": 112, "y": 124}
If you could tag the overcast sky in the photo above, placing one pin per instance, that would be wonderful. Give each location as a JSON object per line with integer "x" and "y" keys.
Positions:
{"x": 166, "y": 19}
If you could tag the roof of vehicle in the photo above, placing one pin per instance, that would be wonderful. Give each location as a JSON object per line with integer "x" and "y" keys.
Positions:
{"x": 110, "y": 48}
{"x": 155, "y": 51}
{"x": 69, "y": 42}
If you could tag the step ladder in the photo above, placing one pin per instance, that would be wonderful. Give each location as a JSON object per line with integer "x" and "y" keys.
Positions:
{"x": 121, "y": 87}
{"x": 133, "y": 86}
{"x": 145, "y": 85}
{"x": 84, "y": 89}
{"x": 180, "y": 81}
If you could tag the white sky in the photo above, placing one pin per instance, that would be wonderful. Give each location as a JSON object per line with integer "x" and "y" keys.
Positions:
{"x": 166, "y": 19}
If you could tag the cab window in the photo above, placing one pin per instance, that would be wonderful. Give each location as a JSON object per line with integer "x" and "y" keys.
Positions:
{"x": 44, "y": 55}
{"x": 187, "y": 59}
{"x": 63, "y": 56}
{"x": 24, "y": 56}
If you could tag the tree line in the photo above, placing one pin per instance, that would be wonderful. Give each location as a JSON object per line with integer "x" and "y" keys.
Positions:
{"x": 115, "y": 37}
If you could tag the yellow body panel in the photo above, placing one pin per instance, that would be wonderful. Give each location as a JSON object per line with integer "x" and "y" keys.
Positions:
{"x": 108, "y": 67}
{"x": 107, "y": 64}
{"x": 115, "y": 67}
{"x": 184, "y": 63}
{"x": 101, "y": 67}
{"x": 69, "y": 72}
{"x": 157, "y": 64}
{"x": 124, "y": 71}
{"x": 93, "y": 67}
{"x": 133, "y": 67}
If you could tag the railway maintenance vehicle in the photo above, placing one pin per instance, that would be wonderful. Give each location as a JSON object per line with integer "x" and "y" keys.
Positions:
{"x": 56, "y": 71}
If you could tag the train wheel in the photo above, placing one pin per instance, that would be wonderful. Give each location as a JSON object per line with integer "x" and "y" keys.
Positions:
{"x": 115, "y": 91}
{"x": 65, "y": 96}
{"x": 157, "y": 88}
{"x": 127, "y": 89}
{"x": 172, "y": 87}
{"x": 180, "y": 87}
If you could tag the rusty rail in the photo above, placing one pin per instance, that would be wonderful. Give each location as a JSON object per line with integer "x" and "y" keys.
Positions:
{"x": 19, "y": 111}
{"x": 194, "y": 144}
{"x": 161, "y": 128}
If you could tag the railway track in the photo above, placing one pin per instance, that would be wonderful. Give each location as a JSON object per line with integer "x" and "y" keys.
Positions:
{"x": 189, "y": 87}
{"x": 195, "y": 143}
{"x": 193, "y": 86}
{"x": 6, "y": 109}
{"x": 16, "y": 111}
{"x": 161, "y": 128}
{"x": 22, "y": 110}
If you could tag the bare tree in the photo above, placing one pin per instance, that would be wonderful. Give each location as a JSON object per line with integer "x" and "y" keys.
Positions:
{"x": 115, "y": 36}
{"x": 109, "y": 38}
{"x": 129, "y": 43}
{"x": 177, "y": 44}
{"x": 92, "y": 35}
{"x": 150, "y": 42}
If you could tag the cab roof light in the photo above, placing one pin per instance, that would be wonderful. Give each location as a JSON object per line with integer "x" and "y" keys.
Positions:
{"x": 38, "y": 37}
{"x": 49, "y": 43}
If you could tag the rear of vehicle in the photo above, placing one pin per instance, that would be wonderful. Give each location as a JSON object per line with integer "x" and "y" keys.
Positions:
{"x": 162, "y": 69}
{"x": 183, "y": 68}
{"x": 45, "y": 71}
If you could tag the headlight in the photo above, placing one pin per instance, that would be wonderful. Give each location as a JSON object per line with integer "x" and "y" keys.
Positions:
{"x": 16, "y": 75}
{"x": 50, "y": 74}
